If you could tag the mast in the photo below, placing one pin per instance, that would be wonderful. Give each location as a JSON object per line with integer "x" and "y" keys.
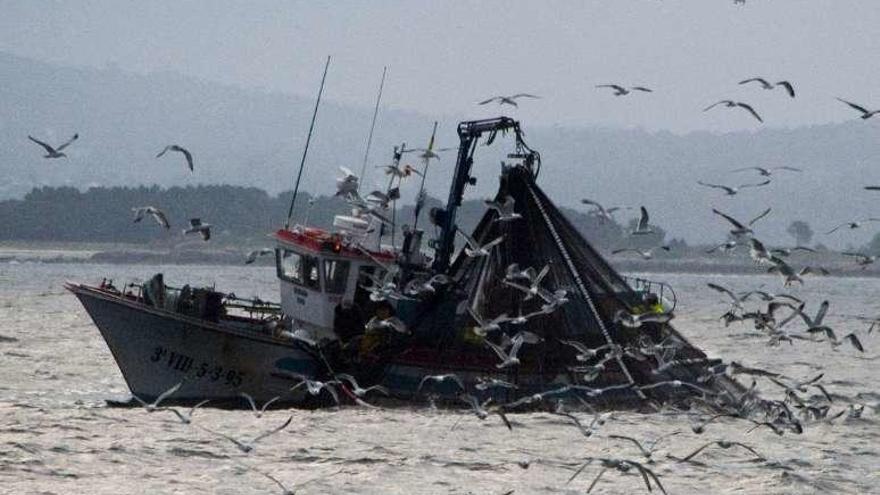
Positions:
{"x": 372, "y": 127}
{"x": 420, "y": 199}
{"x": 302, "y": 162}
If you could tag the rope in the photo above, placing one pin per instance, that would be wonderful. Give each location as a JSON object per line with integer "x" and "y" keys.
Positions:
{"x": 581, "y": 287}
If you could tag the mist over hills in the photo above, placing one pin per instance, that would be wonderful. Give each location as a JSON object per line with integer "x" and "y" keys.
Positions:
{"x": 254, "y": 138}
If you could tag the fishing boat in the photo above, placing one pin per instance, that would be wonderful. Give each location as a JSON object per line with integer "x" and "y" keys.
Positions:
{"x": 512, "y": 307}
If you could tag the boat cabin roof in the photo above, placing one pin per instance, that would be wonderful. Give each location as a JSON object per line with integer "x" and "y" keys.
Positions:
{"x": 321, "y": 242}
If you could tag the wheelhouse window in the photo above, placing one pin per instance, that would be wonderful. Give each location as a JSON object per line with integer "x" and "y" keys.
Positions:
{"x": 298, "y": 268}
{"x": 289, "y": 265}
{"x": 335, "y": 276}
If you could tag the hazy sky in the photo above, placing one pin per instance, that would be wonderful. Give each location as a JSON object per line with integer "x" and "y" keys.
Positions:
{"x": 445, "y": 56}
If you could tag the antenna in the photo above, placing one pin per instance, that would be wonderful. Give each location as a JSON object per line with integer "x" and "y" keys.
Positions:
{"x": 302, "y": 163}
{"x": 420, "y": 199}
{"x": 372, "y": 126}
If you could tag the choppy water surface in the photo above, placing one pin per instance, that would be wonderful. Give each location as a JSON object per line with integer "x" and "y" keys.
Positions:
{"x": 58, "y": 436}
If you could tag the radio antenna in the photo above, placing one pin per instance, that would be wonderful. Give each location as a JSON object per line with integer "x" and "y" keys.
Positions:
{"x": 372, "y": 126}
{"x": 302, "y": 163}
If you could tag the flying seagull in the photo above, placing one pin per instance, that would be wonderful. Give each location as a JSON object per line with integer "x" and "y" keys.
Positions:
{"x": 256, "y": 253}
{"x": 621, "y": 91}
{"x": 196, "y": 225}
{"x": 645, "y": 254}
{"x": 732, "y": 190}
{"x": 734, "y": 104}
{"x": 156, "y": 213}
{"x": 508, "y": 100}
{"x": 505, "y": 208}
{"x": 866, "y": 114}
{"x": 473, "y": 249}
{"x": 179, "y": 149}
{"x": 767, "y": 85}
{"x": 767, "y": 171}
{"x": 248, "y": 445}
{"x": 852, "y": 225}
{"x": 601, "y": 211}
{"x": 738, "y": 228}
{"x": 54, "y": 152}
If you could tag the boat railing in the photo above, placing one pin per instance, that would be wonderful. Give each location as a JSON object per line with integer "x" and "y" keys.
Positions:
{"x": 663, "y": 290}
{"x": 252, "y": 306}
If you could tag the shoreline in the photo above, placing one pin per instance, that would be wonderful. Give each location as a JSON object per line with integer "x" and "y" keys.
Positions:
{"x": 13, "y": 253}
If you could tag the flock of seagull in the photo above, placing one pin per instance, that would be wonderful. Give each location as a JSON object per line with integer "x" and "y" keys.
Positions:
{"x": 791, "y": 415}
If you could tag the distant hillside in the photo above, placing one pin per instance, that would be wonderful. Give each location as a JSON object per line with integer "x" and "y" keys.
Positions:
{"x": 252, "y": 138}
{"x": 241, "y": 216}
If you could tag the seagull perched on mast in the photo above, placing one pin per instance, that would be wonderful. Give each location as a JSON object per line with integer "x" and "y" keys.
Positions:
{"x": 179, "y": 149}
{"x": 508, "y": 100}
{"x": 54, "y": 152}
{"x": 734, "y": 104}
{"x": 622, "y": 91}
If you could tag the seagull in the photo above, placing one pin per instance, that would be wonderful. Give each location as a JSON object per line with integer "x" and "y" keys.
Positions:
{"x": 392, "y": 322}
{"x": 505, "y": 208}
{"x": 510, "y": 358}
{"x": 154, "y": 212}
{"x": 534, "y": 286}
{"x": 481, "y": 410}
{"x": 787, "y": 273}
{"x": 651, "y": 446}
{"x": 196, "y": 225}
{"x": 724, "y": 444}
{"x": 54, "y": 152}
{"x": 486, "y": 326}
{"x": 314, "y": 387}
{"x": 852, "y": 225}
{"x": 256, "y": 253}
{"x": 258, "y": 412}
{"x": 622, "y": 91}
{"x": 440, "y": 379}
{"x": 766, "y": 85}
{"x": 179, "y": 149}
{"x": 154, "y": 406}
{"x": 862, "y": 260}
{"x": 416, "y": 287}
{"x": 357, "y": 389}
{"x": 474, "y": 249}
{"x": 603, "y": 213}
{"x": 630, "y": 320}
{"x": 733, "y": 190}
{"x": 789, "y": 251}
{"x": 767, "y": 171}
{"x": 724, "y": 246}
{"x": 676, "y": 384}
{"x": 643, "y": 228}
{"x": 740, "y": 229}
{"x": 645, "y": 254}
{"x": 508, "y": 100}
{"x": 395, "y": 170}
{"x": 245, "y": 445}
{"x": 866, "y": 114}
{"x": 758, "y": 252}
{"x": 347, "y": 185}
{"x": 487, "y": 383}
{"x": 186, "y": 418}
{"x": 734, "y": 104}
{"x": 622, "y": 466}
